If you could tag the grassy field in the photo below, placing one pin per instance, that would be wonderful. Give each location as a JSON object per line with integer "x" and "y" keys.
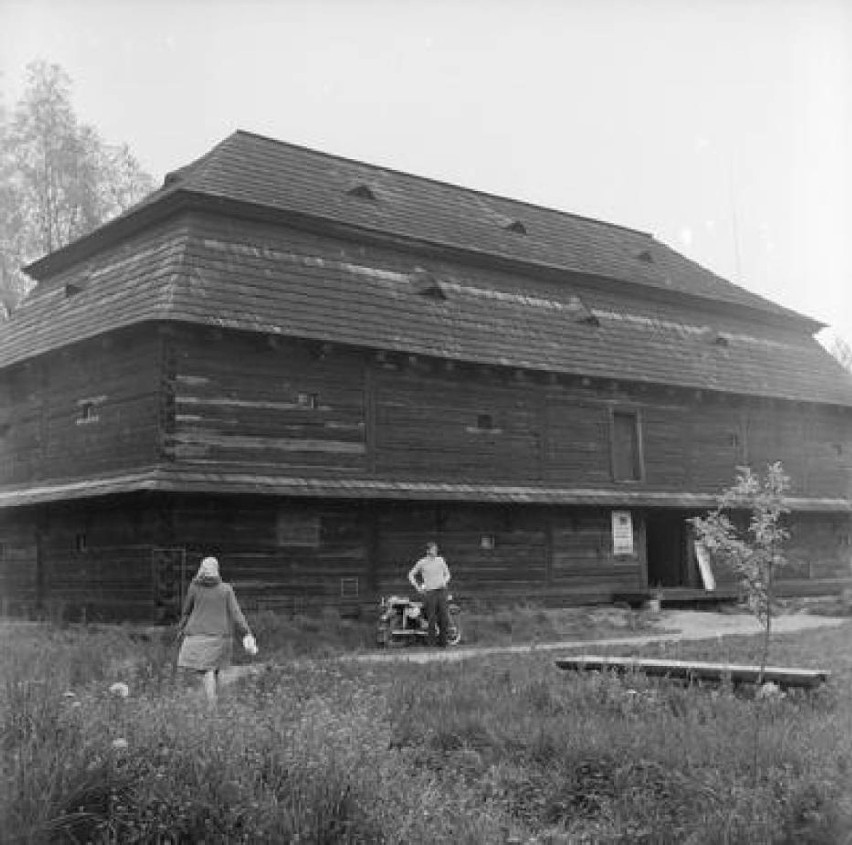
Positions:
{"x": 503, "y": 749}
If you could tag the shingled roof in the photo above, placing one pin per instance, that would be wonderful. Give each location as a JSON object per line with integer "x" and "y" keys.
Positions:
{"x": 258, "y": 278}
{"x": 262, "y": 173}
{"x": 237, "y": 272}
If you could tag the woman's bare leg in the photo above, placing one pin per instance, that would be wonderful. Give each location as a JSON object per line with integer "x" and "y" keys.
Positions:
{"x": 209, "y": 683}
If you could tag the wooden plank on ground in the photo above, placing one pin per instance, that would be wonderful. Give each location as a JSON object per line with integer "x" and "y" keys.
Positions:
{"x": 697, "y": 671}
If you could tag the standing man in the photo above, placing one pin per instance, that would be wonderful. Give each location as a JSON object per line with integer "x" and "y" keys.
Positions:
{"x": 434, "y": 577}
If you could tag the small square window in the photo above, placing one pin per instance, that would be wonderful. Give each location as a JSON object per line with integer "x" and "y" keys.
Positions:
{"x": 733, "y": 439}
{"x": 87, "y": 412}
{"x": 81, "y": 543}
{"x": 349, "y": 588}
{"x": 487, "y": 542}
{"x": 308, "y": 400}
{"x": 485, "y": 422}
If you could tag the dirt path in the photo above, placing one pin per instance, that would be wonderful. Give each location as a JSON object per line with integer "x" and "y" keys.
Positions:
{"x": 672, "y": 626}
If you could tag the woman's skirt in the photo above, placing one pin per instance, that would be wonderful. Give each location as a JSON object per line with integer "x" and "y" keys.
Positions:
{"x": 205, "y": 651}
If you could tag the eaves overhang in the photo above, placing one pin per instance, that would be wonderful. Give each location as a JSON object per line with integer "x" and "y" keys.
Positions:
{"x": 188, "y": 481}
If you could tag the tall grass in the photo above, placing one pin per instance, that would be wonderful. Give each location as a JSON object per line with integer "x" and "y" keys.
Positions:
{"x": 499, "y": 750}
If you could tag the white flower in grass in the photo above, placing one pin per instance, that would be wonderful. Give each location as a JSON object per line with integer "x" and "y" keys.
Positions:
{"x": 770, "y": 691}
{"x": 119, "y": 690}
{"x": 119, "y": 744}
{"x": 69, "y": 694}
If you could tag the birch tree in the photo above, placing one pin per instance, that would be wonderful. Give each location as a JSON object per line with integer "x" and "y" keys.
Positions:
{"x": 58, "y": 178}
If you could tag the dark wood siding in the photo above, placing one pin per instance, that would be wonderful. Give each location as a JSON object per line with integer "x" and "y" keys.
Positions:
{"x": 584, "y": 562}
{"x": 44, "y": 433}
{"x": 280, "y": 554}
{"x": 312, "y": 409}
{"x": 578, "y": 446}
{"x": 666, "y": 444}
{"x": 820, "y": 547}
{"x": 239, "y": 401}
{"x": 430, "y": 427}
{"x": 129, "y": 557}
{"x": 97, "y": 559}
{"x": 19, "y": 575}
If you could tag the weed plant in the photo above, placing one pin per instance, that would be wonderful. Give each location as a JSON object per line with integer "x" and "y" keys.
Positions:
{"x": 505, "y": 749}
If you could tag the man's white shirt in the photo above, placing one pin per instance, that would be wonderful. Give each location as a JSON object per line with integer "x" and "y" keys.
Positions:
{"x": 433, "y": 572}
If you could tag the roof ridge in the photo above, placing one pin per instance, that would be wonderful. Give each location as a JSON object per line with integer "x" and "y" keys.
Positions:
{"x": 442, "y": 182}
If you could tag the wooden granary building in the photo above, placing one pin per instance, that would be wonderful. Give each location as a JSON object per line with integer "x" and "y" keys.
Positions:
{"x": 310, "y": 366}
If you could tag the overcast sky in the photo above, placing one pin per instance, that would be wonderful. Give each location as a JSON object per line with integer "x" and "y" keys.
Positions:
{"x": 723, "y": 127}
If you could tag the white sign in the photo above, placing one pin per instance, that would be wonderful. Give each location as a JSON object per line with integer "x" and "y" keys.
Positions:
{"x": 622, "y": 533}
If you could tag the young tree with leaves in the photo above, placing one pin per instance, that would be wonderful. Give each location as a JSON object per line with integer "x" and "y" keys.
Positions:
{"x": 58, "y": 179}
{"x": 753, "y": 550}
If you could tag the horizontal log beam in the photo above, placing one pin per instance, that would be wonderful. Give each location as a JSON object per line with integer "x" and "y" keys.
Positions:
{"x": 698, "y": 671}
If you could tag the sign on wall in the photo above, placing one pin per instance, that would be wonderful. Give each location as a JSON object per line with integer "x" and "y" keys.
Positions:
{"x": 622, "y": 533}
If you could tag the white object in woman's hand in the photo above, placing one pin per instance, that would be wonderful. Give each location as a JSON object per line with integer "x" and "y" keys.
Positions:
{"x": 249, "y": 644}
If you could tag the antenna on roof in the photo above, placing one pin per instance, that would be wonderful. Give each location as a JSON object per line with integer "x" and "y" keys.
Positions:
{"x": 734, "y": 219}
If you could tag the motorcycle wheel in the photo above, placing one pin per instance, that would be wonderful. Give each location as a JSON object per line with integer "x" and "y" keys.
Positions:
{"x": 454, "y": 632}
{"x": 383, "y": 634}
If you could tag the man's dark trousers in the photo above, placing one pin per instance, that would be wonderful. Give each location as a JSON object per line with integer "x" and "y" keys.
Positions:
{"x": 437, "y": 613}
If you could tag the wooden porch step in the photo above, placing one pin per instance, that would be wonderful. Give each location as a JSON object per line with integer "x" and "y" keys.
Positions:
{"x": 671, "y": 596}
{"x": 697, "y": 671}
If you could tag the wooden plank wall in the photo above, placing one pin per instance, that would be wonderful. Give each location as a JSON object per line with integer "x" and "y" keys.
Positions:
{"x": 509, "y": 552}
{"x": 42, "y": 433}
{"x": 239, "y": 401}
{"x": 96, "y": 558}
{"x": 289, "y": 555}
{"x": 19, "y": 587}
{"x": 434, "y": 428}
{"x": 294, "y": 555}
{"x": 426, "y": 428}
{"x": 280, "y": 554}
{"x": 584, "y": 562}
{"x": 820, "y": 547}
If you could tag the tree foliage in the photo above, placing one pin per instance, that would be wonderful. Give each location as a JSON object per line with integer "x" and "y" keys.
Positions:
{"x": 752, "y": 545}
{"x": 58, "y": 178}
{"x": 842, "y": 351}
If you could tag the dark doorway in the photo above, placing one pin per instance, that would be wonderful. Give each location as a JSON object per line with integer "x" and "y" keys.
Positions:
{"x": 671, "y": 561}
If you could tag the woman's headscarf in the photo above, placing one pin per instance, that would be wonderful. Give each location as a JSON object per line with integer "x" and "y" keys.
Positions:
{"x": 209, "y": 570}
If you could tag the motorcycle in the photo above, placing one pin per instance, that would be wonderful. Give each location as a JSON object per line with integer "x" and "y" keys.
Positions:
{"x": 403, "y": 621}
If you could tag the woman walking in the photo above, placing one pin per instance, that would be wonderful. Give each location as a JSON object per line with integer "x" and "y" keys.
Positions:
{"x": 210, "y": 615}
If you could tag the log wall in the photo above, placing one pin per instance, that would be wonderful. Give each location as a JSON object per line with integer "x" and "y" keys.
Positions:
{"x": 316, "y": 409}
{"x": 19, "y": 570}
{"x": 130, "y": 557}
{"x": 89, "y": 409}
{"x": 237, "y": 400}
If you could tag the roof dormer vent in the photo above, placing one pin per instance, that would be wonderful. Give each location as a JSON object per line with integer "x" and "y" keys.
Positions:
{"x": 713, "y": 337}
{"x": 73, "y": 288}
{"x": 362, "y": 191}
{"x": 517, "y": 227}
{"x": 581, "y": 313}
{"x": 645, "y": 255}
{"x": 425, "y": 284}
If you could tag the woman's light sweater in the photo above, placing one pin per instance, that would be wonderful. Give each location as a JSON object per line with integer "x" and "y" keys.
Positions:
{"x": 211, "y": 608}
